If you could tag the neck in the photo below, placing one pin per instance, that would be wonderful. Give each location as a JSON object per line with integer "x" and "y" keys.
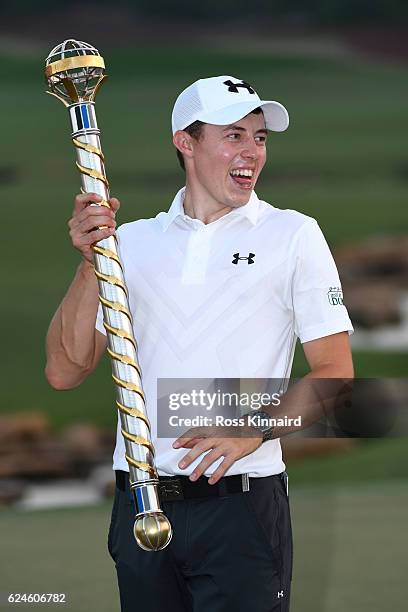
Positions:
{"x": 201, "y": 206}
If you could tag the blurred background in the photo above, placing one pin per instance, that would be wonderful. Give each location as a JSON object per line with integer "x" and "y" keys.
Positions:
{"x": 340, "y": 68}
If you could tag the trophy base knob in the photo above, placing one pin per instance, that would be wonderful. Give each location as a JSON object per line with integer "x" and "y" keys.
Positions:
{"x": 152, "y": 531}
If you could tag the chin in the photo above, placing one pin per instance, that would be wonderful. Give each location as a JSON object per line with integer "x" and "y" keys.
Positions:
{"x": 240, "y": 200}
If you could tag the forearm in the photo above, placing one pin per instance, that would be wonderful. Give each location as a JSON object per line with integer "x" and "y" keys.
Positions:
{"x": 70, "y": 343}
{"x": 312, "y": 398}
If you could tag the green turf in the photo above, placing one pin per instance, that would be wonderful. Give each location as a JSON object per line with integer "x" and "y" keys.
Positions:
{"x": 349, "y": 548}
{"x": 343, "y": 160}
{"x": 349, "y": 551}
{"x": 368, "y": 364}
{"x": 59, "y": 551}
{"x": 366, "y": 461}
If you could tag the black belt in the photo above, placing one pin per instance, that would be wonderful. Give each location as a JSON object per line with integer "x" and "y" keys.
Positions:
{"x": 177, "y": 488}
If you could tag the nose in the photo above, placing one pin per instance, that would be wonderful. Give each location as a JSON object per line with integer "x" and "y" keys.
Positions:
{"x": 249, "y": 151}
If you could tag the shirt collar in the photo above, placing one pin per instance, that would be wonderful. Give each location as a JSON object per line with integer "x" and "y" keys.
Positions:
{"x": 249, "y": 210}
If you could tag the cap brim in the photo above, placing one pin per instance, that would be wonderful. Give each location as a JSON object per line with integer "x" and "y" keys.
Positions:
{"x": 276, "y": 115}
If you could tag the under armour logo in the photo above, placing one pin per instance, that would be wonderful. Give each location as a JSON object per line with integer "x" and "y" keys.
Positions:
{"x": 234, "y": 86}
{"x": 280, "y": 594}
{"x": 249, "y": 259}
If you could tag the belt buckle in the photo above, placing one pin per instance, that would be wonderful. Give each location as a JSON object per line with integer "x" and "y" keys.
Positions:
{"x": 171, "y": 490}
{"x": 245, "y": 482}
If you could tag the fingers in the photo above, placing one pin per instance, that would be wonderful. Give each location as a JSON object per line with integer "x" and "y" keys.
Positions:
{"x": 82, "y": 200}
{"x": 115, "y": 204}
{"x": 88, "y": 221}
{"x": 220, "y": 448}
{"x": 92, "y": 218}
{"x": 79, "y": 214}
{"x": 190, "y": 435}
{"x": 207, "y": 460}
{"x": 86, "y": 240}
{"x": 196, "y": 451}
{"x": 92, "y": 222}
{"x": 231, "y": 449}
{"x": 190, "y": 443}
{"x": 199, "y": 449}
{"x": 221, "y": 470}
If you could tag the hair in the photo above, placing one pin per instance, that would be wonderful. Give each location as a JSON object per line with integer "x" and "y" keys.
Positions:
{"x": 195, "y": 130}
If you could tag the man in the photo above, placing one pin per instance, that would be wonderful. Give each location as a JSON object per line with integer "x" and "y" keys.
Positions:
{"x": 220, "y": 286}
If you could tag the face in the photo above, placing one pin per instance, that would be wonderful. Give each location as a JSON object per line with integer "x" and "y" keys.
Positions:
{"x": 227, "y": 160}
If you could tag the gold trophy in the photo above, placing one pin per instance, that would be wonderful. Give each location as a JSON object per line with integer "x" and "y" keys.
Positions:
{"x": 74, "y": 72}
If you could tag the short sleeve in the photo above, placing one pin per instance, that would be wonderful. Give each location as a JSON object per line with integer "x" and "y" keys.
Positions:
{"x": 316, "y": 290}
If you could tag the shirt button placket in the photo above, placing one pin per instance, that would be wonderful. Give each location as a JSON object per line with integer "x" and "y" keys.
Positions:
{"x": 198, "y": 252}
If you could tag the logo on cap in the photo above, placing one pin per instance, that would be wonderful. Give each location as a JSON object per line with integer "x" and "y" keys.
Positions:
{"x": 234, "y": 86}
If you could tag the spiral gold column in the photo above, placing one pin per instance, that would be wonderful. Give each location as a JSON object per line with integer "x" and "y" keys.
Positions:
{"x": 74, "y": 72}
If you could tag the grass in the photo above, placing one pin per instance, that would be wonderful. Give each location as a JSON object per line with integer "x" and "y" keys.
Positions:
{"x": 59, "y": 551}
{"x": 349, "y": 553}
{"x": 368, "y": 460}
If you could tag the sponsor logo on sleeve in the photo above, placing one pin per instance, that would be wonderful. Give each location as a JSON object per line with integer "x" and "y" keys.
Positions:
{"x": 335, "y": 296}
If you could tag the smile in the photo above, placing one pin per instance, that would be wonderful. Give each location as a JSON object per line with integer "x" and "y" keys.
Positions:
{"x": 242, "y": 172}
{"x": 242, "y": 177}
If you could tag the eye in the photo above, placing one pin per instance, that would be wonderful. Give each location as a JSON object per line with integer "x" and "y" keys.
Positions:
{"x": 234, "y": 136}
{"x": 261, "y": 139}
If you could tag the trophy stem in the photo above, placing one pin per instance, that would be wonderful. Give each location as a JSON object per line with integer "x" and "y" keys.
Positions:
{"x": 122, "y": 347}
{"x": 74, "y": 71}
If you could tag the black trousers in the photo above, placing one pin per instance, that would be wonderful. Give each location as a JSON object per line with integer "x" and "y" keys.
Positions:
{"x": 227, "y": 554}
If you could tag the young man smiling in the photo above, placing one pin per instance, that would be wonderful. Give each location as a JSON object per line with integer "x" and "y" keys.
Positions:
{"x": 220, "y": 286}
{"x": 222, "y": 165}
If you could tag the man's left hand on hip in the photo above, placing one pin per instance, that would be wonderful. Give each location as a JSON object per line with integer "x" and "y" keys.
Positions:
{"x": 232, "y": 443}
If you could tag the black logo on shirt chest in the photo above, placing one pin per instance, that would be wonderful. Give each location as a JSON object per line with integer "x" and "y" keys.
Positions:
{"x": 249, "y": 259}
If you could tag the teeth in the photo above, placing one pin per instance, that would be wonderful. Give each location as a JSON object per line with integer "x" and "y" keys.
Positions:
{"x": 242, "y": 172}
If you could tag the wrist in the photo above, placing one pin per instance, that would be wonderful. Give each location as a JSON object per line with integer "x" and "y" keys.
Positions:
{"x": 86, "y": 267}
{"x": 262, "y": 422}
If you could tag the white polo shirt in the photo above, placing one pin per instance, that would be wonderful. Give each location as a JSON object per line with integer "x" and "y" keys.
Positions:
{"x": 198, "y": 314}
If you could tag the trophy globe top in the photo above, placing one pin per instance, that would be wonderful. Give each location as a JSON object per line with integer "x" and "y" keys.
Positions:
{"x": 74, "y": 71}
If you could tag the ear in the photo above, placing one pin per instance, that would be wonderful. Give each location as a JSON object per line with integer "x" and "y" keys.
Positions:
{"x": 184, "y": 143}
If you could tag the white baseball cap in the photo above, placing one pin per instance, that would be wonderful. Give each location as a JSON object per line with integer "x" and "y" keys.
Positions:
{"x": 222, "y": 100}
